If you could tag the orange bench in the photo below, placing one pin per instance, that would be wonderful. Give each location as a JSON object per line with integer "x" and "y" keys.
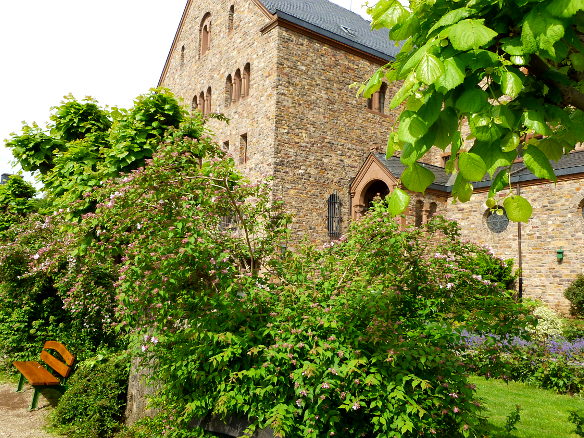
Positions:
{"x": 39, "y": 377}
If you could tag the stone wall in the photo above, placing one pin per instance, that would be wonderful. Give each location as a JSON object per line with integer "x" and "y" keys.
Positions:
{"x": 188, "y": 74}
{"x": 557, "y": 222}
{"x": 324, "y": 132}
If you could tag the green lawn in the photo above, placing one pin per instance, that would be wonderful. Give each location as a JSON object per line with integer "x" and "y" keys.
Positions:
{"x": 544, "y": 414}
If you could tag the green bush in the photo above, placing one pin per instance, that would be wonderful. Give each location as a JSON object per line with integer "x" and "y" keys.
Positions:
{"x": 94, "y": 402}
{"x": 575, "y": 294}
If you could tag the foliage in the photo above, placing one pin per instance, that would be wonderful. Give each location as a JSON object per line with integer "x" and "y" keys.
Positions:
{"x": 575, "y": 294}
{"x": 550, "y": 363}
{"x": 93, "y": 405}
{"x": 577, "y": 417}
{"x": 512, "y": 419}
{"x": 84, "y": 145}
{"x": 510, "y": 70}
{"x": 328, "y": 341}
{"x": 15, "y": 201}
{"x": 549, "y": 324}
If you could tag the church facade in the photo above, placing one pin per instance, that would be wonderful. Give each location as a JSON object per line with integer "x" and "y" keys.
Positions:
{"x": 282, "y": 72}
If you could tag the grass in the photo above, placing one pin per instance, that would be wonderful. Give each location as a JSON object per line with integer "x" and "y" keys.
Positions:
{"x": 544, "y": 414}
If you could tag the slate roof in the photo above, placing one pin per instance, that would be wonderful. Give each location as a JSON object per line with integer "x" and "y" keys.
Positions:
{"x": 570, "y": 164}
{"x": 329, "y": 19}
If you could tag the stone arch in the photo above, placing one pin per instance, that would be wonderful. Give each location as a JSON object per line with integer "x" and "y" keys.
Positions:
{"x": 202, "y": 105}
{"x": 245, "y": 80}
{"x": 205, "y": 34}
{"x": 237, "y": 86}
{"x": 432, "y": 210}
{"x": 208, "y": 102}
{"x": 374, "y": 188}
{"x": 194, "y": 104}
{"x": 228, "y": 90}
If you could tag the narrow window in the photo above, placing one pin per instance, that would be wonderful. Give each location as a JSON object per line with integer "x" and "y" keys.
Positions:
{"x": 245, "y": 82}
{"x": 228, "y": 91}
{"x": 194, "y": 105}
{"x": 202, "y": 103}
{"x": 419, "y": 212}
{"x": 432, "y": 210}
{"x": 225, "y": 146}
{"x": 205, "y": 34}
{"x": 334, "y": 216}
{"x": 237, "y": 86}
{"x": 182, "y": 55}
{"x": 230, "y": 19}
{"x": 381, "y": 98}
{"x": 243, "y": 149}
{"x": 208, "y": 102}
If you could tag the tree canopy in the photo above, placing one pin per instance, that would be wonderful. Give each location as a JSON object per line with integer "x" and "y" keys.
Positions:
{"x": 510, "y": 70}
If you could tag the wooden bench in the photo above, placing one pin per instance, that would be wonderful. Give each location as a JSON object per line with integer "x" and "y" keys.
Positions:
{"x": 39, "y": 377}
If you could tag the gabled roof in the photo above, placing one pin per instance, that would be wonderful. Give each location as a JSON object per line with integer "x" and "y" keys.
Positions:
{"x": 571, "y": 164}
{"x": 335, "y": 22}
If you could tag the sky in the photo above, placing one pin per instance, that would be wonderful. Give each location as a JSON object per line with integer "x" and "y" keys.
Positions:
{"x": 112, "y": 50}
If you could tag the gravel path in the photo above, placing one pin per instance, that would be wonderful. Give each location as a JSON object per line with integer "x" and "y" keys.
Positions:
{"x": 15, "y": 419}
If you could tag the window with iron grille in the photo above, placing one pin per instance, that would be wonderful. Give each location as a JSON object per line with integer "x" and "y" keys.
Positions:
{"x": 334, "y": 216}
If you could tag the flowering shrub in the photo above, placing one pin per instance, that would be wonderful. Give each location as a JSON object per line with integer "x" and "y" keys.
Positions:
{"x": 355, "y": 339}
{"x": 575, "y": 294}
{"x": 551, "y": 363}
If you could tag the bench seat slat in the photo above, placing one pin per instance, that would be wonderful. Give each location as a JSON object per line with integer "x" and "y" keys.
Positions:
{"x": 36, "y": 374}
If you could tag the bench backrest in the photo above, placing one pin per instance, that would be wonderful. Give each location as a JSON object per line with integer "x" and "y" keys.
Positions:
{"x": 63, "y": 368}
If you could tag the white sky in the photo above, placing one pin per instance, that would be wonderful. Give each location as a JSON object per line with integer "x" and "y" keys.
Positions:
{"x": 112, "y": 50}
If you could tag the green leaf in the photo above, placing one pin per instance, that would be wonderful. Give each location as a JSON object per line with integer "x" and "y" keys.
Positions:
{"x": 392, "y": 145}
{"x": 411, "y": 127}
{"x": 462, "y": 189}
{"x": 484, "y": 128}
{"x": 410, "y": 85}
{"x": 510, "y": 142}
{"x": 513, "y": 46}
{"x": 577, "y": 60}
{"x": 542, "y": 30}
{"x": 500, "y": 181}
{"x": 373, "y": 84}
{"x": 470, "y": 34}
{"x": 450, "y": 18}
{"x": 429, "y": 69}
{"x": 417, "y": 178}
{"x": 454, "y": 74}
{"x": 565, "y": 8}
{"x": 471, "y": 166}
{"x": 552, "y": 148}
{"x": 534, "y": 120}
{"x": 511, "y": 84}
{"x": 397, "y": 202}
{"x": 387, "y": 14}
{"x": 493, "y": 156}
{"x": 538, "y": 163}
{"x": 518, "y": 208}
{"x": 472, "y": 101}
{"x": 445, "y": 128}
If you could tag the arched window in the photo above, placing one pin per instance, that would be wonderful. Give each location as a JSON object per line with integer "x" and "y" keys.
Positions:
{"x": 202, "y": 103}
{"x": 334, "y": 216}
{"x": 377, "y": 189}
{"x": 228, "y": 90}
{"x": 205, "y": 34}
{"x": 419, "y": 213}
{"x": 377, "y": 100}
{"x": 230, "y": 18}
{"x": 194, "y": 105}
{"x": 245, "y": 81}
{"x": 208, "y": 102}
{"x": 432, "y": 210}
{"x": 237, "y": 86}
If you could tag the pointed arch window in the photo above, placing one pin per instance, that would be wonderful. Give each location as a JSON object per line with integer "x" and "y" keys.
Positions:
{"x": 208, "y": 102}
{"x": 228, "y": 90}
{"x": 245, "y": 80}
{"x": 194, "y": 104}
{"x": 419, "y": 213}
{"x": 201, "y": 106}
{"x": 205, "y": 34}
{"x": 237, "y": 86}
{"x": 230, "y": 18}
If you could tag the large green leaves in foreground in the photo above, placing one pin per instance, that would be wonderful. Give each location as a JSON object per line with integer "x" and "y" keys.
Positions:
{"x": 511, "y": 70}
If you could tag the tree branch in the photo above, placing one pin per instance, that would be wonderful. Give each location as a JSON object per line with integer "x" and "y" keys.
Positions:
{"x": 539, "y": 68}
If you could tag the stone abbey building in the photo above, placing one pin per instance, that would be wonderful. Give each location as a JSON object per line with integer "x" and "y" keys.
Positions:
{"x": 282, "y": 70}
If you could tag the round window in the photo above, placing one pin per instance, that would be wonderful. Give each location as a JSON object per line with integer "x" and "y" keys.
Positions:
{"x": 497, "y": 221}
